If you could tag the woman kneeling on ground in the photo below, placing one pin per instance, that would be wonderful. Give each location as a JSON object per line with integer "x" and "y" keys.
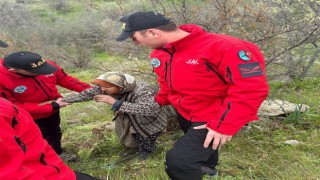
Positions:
{"x": 139, "y": 120}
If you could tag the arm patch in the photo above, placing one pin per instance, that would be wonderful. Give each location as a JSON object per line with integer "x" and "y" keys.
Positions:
{"x": 250, "y": 69}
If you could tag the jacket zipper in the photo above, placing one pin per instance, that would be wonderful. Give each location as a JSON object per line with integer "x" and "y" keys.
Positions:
{"x": 171, "y": 58}
{"x": 170, "y": 65}
{"x": 16, "y": 109}
{"x": 210, "y": 67}
{"x": 42, "y": 88}
{"x": 44, "y": 162}
{"x": 224, "y": 114}
{"x": 14, "y": 122}
{"x": 46, "y": 85}
{"x": 166, "y": 72}
{"x": 21, "y": 143}
{"x": 229, "y": 75}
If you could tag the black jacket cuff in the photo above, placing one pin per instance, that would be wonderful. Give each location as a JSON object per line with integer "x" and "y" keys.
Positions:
{"x": 55, "y": 106}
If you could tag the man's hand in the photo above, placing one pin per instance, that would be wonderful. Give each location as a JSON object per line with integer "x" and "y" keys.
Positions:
{"x": 218, "y": 138}
{"x": 61, "y": 103}
{"x": 104, "y": 98}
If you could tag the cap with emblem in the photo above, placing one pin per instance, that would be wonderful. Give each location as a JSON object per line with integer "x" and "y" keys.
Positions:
{"x": 29, "y": 61}
{"x": 139, "y": 21}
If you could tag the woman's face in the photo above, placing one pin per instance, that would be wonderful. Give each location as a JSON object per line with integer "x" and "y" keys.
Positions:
{"x": 110, "y": 89}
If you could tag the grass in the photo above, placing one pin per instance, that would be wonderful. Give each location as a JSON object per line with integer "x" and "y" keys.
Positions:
{"x": 258, "y": 152}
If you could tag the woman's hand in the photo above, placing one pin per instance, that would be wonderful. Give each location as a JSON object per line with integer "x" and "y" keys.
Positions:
{"x": 104, "y": 98}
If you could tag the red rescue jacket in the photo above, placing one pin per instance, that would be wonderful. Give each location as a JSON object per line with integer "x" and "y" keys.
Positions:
{"x": 211, "y": 78}
{"x": 24, "y": 154}
{"x": 27, "y": 92}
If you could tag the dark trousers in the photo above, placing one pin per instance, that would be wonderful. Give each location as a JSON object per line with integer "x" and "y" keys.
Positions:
{"x": 51, "y": 131}
{"x": 82, "y": 176}
{"x": 184, "y": 160}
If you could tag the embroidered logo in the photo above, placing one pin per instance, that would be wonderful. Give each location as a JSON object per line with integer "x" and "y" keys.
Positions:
{"x": 20, "y": 89}
{"x": 192, "y": 61}
{"x": 155, "y": 62}
{"x": 124, "y": 25}
{"x": 245, "y": 55}
{"x": 36, "y": 64}
{"x": 250, "y": 69}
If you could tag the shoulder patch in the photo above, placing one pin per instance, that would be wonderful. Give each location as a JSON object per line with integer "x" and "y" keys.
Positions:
{"x": 250, "y": 69}
{"x": 245, "y": 55}
{"x": 20, "y": 89}
{"x": 155, "y": 62}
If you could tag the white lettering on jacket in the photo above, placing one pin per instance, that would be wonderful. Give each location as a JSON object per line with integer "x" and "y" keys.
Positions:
{"x": 48, "y": 75}
{"x": 192, "y": 61}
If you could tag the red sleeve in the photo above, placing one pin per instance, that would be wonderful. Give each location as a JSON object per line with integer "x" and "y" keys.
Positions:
{"x": 246, "y": 78}
{"x": 11, "y": 153}
{"x": 69, "y": 82}
{"x": 37, "y": 111}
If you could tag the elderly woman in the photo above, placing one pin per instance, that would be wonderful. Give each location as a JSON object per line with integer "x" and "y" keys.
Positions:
{"x": 139, "y": 120}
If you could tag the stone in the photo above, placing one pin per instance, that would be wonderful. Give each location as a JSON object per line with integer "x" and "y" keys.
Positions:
{"x": 271, "y": 107}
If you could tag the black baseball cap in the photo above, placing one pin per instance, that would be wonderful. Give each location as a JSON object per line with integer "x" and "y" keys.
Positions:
{"x": 29, "y": 61}
{"x": 139, "y": 21}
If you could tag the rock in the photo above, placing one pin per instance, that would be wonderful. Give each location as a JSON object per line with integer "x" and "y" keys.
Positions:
{"x": 292, "y": 142}
{"x": 272, "y": 107}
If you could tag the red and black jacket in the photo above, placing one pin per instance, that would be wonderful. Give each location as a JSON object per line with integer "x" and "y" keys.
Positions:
{"x": 29, "y": 92}
{"x": 211, "y": 78}
{"x": 24, "y": 153}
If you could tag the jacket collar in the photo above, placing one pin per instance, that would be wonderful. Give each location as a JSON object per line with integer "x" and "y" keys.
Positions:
{"x": 194, "y": 31}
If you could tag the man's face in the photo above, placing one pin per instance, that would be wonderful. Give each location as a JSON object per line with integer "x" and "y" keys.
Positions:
{"x": 147, "y": 38}
{"x": 23, "y": 72}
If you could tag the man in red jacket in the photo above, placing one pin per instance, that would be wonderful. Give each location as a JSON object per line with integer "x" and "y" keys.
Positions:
{"x": 24, "y": 153}
{"x": 216, "y": 82}
{"x": 30, "y": 82}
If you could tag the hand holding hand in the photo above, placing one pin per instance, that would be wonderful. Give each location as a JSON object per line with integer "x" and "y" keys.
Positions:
{"x": 104, "y": 98}
{"x": 61, "y": 103}
{"x": 218, "y": 138}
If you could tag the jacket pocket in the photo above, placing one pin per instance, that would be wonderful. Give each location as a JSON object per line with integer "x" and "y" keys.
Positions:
{"x": 44, "y": 162}
{"x": 216, "y": 72}
{"x": 229, "y": 75}
{"x": 224, "y": 114}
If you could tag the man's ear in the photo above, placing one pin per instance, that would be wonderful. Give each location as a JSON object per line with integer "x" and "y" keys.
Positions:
{"x": 12, "y": 70}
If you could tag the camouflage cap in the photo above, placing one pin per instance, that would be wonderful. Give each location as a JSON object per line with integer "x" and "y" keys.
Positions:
{"x": 115, "y": 78}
